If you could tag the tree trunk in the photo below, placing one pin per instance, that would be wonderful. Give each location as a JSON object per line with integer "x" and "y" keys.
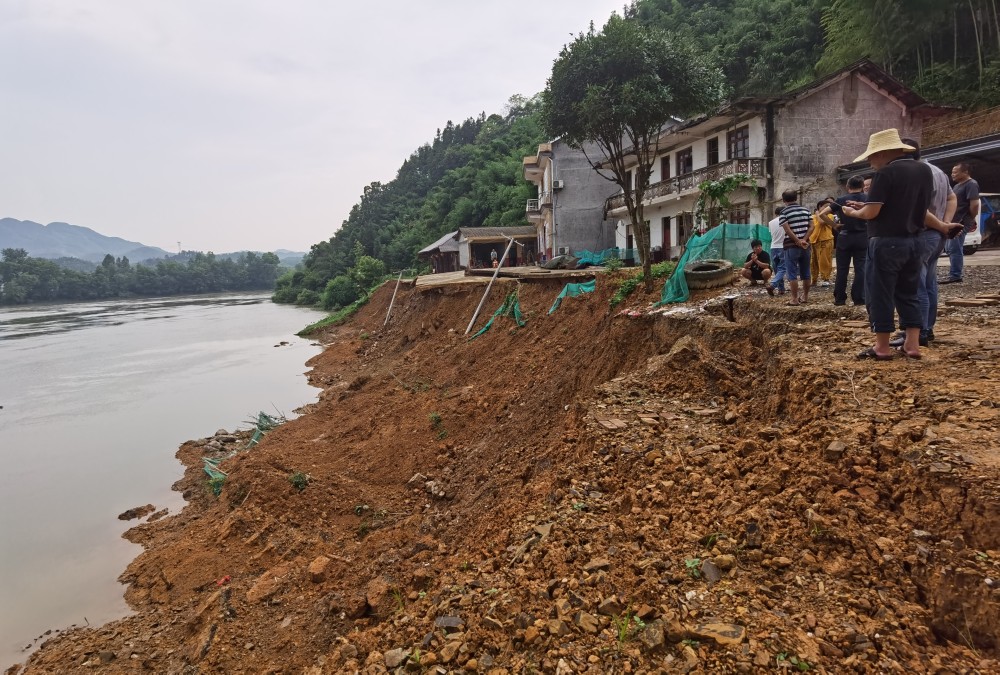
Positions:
{"x": 979, "y": 47}
{"x": 996, "y": 24}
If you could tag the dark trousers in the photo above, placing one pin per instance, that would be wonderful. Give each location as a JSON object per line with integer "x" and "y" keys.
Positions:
{"x": 892, "y": 281}
{"x": 851, "y": 247}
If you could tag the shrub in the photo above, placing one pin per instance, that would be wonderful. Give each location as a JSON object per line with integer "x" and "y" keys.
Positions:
{"x": 340, "y": 292}
{"x": 307, "y": 297}
{"x": 368, "y": 271}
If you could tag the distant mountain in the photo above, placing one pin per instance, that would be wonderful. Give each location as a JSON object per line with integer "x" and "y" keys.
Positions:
{"x": 62, "y": 240}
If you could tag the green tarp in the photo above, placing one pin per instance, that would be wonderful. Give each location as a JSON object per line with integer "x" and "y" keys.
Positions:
{"x": 726, "y": 242}
{"x": 573, "y": 290}
{"x": 510, "y": 307}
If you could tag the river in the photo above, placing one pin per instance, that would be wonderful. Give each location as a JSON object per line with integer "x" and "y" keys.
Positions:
{"x": 96, "y": 398}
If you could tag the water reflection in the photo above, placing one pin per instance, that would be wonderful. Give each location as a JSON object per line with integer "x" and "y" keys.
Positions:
{"x": 53, "y": 318}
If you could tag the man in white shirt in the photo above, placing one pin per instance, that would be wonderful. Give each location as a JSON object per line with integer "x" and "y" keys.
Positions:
{"x": 777, "y": 282}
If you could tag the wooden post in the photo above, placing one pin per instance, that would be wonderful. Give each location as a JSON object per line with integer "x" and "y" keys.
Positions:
{"x": 393, "y": 299}
{"x": 496, "y": 273}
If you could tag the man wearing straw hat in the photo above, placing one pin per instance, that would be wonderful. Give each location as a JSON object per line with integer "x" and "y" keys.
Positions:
{"x": 896, "y": 210}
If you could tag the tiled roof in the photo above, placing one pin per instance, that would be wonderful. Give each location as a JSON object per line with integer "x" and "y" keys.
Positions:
{"x": 442, "y": 244}
{"x": 496, "y": 232}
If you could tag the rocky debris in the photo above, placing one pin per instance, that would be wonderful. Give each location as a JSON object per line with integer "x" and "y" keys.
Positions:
{"x": 136, "y": 512}
{"x": 585, "y": 507}
{"x": 269, "y": 583}
{"x": 317, "y": 569}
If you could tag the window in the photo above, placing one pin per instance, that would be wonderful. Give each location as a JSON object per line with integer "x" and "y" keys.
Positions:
{"x": 628, "y": 180}
{"x": 665, "y": 167}
{"x": 739, "y": 142}
{"x": 665, "y": 224}
{"x": 685, "y": 162}
{"x": 713, "y": 151}
{"x": 740, "y": 213}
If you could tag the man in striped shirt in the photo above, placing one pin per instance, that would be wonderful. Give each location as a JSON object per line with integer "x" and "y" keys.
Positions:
{"x": 797, "y": 222}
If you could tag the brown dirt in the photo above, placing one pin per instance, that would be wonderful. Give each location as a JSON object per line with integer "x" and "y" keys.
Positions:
{"x": 601, "y": 493}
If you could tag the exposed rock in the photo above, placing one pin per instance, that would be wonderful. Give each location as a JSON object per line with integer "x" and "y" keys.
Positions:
{"x": 597, "y": 564}
{"x": 268, "y": 583}
{"x": 722, "y": 633}
{"x": 396, "y": 657}
{"x": 136, "y": 512}
{"x": 610, "y": 607}
{"x": 317, "y": 569}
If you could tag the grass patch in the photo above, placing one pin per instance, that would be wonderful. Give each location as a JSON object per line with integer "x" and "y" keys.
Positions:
{"x": 338, "y": 317}
{"x": 633, "y": 279}
{"x": 299, "y": 480}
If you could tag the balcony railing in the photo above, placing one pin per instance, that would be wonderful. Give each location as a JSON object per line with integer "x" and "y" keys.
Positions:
{"x": 752, "y": 166}
{"x": 536, "y": 205}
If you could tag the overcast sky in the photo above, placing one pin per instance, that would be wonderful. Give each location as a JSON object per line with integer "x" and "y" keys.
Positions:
{"x": 231, "y": 124}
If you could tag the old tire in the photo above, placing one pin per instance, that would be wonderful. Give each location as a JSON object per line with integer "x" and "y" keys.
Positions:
{"x": 702, "y": 274}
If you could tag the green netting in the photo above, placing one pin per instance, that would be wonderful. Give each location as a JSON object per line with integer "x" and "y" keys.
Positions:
{"x": 600, "y": 257}
{"x": 573, "y": 290}
{"x": 727, "y": 242}
{"x": 510, "y": 307}
{"x": 216, "y": 475}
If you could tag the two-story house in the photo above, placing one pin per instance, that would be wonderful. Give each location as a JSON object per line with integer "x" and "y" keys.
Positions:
{"x": 568, "y": 211}
{"x": 792, "y": 141}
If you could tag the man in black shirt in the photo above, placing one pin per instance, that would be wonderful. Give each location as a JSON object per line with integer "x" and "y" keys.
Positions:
{"x": 758, "y": 265}
{"x": 896, "y": 209}
{"x": 967, "y": 213}
{"x": 851, "y": 244}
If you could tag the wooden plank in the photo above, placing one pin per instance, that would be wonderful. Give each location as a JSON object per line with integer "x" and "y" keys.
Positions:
{"x": 969, "y": 302}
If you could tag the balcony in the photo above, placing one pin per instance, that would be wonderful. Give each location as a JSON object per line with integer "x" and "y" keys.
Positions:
{"x": 535, "y": 206}
{"x": 752, "y": 166}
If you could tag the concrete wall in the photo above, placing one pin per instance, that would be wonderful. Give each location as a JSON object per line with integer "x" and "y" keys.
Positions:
{"x": 829, "y": 128}
{"x": 578, "y": 208}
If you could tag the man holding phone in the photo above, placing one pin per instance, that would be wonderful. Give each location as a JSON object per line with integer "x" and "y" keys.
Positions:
{"x": 851, "y": 244}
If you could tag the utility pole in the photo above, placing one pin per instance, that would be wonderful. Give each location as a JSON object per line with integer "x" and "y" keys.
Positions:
{"x": 496, "y": 272}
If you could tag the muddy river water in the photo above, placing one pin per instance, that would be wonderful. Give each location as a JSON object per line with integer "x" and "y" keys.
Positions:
{"x": 96, "y": 398}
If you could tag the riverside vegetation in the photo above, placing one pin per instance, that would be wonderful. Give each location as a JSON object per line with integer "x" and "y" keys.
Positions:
{"x": 26, "y": 279}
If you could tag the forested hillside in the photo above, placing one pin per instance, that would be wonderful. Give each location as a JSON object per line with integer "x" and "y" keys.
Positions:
{"x": 470, "y": 175}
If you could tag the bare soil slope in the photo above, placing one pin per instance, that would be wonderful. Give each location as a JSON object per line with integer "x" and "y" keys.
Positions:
{"x": 594, "y": 492}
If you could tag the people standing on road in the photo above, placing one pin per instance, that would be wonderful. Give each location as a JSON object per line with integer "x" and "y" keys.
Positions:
{"x": 851, "y": 244}
{"x": 967, "y": 213}
{"x": 796, "y": 221}
{"x": 821, "y": 248}
{"x": 932, "y": 242}
{"x": 777, "y": 282}
{"x": 896, "y": 211}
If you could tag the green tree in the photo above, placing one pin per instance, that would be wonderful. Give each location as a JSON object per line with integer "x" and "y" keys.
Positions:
{"x": 340, "y": 292}
{"x": 367, "y": 272}
{"x": 617, "y": 89}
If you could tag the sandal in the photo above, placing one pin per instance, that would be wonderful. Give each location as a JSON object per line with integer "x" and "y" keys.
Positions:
{"x": 910, "y": 355}
{"x": 793, "y": 303}
{"x": 870, "y": 353}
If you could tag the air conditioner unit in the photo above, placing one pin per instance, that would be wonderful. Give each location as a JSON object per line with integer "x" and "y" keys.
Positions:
{"x": 558, "y": 184}
{"x": 564, "y": 250}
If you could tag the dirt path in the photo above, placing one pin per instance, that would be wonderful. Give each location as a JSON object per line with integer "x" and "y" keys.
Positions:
{"x": 594, "y": 492}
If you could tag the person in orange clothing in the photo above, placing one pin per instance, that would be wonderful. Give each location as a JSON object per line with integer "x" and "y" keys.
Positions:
{"x": 821, "y": 246}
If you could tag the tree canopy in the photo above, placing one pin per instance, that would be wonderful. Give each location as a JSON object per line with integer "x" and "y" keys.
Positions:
{"x": 618, "y": 88}
{"x": 469, "y": 176}
{"x": 24, "y": 279}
